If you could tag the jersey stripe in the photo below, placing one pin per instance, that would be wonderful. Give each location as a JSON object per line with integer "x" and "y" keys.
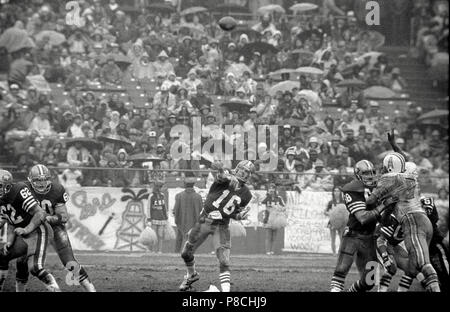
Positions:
{"x": 31, "y": 203}
{"x": 356, "y": 206}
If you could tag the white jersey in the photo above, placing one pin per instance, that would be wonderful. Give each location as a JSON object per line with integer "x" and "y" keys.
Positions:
{"x": 403, "y": 186}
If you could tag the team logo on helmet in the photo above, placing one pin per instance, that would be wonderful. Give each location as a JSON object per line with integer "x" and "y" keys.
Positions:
{"x": 40, "y": 179}
{"x": 394, "y": 163}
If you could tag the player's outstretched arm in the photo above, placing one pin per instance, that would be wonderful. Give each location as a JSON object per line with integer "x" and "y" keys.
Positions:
{"x": 395, "y": 147}
{"x": 38, "y": 218}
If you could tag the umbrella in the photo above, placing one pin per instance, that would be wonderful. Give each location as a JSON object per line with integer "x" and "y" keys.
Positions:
{"x": 116, "y": 139}
{"x": 86, "y": 142}
{"x": 283, "y": 71}
{"x": 144, "y": 157}
{"x": 193, "y": 10}
{"x": 121, "y": 60}
{"x": 55, "y": 38}
{"x": 14, "y": 39}
{"x": 314, "y": 100}
{"x": 378, "y": 92}
{"x": 271, "y": 8}
{"x": 434, "y": 114}
{"x": 261, "y": 47}
{"x": 373, "y": 57}
{"x": 303, "y": 7}
{"x": 349, "y": 83}
{"x": 303, "y": 53}
{"x": 237, "y": 105}
{"x": 161, "y": 7}
{"x": 310, "y": 70}
{"x": 192, "y": 29}
{"x": 283, "y": 86}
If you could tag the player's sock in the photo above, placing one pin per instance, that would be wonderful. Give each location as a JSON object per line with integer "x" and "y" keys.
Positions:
{"x": 21, "y": 286}
{"x": 85, "y": 282}
{"x": 3, "y": 276}
{"x": 337, "y": 283}
{"x": 430, "y": 281}
{"x": 405, "y": 283}
{"x": 225, "y": 281}
{"x": 356, "y": 287}
{"x": 190, "y": 269}
{"x": 385, "y": 282}
{"x": 49, "y": 281}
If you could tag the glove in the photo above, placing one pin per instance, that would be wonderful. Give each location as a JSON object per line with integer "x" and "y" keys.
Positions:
{"x": 387, "y": 261}
{"x": 20, "y": 231}
{"x": 234, "y": 182}
{"x": 389, "y": 201}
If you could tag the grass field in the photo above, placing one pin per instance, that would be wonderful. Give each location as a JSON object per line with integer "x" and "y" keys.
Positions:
{"x": 145, "y": 272}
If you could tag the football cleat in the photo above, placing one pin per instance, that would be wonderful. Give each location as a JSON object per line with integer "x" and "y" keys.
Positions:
{"x": 188, "y": 281}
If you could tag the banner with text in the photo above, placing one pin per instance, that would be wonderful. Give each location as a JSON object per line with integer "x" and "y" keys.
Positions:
{"x": 113, "y": 218}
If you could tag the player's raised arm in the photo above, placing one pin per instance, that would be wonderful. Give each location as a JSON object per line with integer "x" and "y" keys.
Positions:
{"x": 395, "y": 147}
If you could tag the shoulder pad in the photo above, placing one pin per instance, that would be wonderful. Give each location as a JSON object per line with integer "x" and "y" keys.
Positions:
{"x": 353, "y": 186}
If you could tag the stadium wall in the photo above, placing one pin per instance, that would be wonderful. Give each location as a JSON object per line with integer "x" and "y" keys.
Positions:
{"x": 112, "y": 219}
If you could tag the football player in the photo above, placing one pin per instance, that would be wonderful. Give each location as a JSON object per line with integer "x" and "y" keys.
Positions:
{"x": 227, "y": 198}
{"x": 53, "y": 198}
{"x": 402, "y": 187}
{"x": 28, "y": 233}
{"x": 358, "y": 239}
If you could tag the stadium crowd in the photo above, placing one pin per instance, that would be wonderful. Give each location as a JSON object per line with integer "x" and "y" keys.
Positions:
{"x": 192, "y": 62}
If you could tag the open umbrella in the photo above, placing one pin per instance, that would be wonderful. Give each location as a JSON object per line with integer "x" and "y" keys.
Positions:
{"x": 116, "y": 139}
{"x": 379, "y": 92}
{"x": 373, "y": 57}
{"x": 238, "y": 69}
{"x": 261, "y": 47}
{"x": 314, "y": 100}
{"x": 283, "y": 86}
{"x": 284, "y": 71}
{"x": 434, "y": 114}
{"x": 310, "y": 70}
{"x": 55, "y": 38}
{"x": 193, "y": 10}
{"x": 143, "y": 157}
{"x": 14, "y": 39}
{"x": 237, "y": 105}
{"x": 270, "y": 8}
{"x": 303, "y": 7}
{"x": 161, "y": 7}
{"x": 86, "y": 142}
{"x": 351, "y": 83}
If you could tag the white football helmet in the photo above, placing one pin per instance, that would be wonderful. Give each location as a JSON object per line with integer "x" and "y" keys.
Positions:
{"x": 393, "y": 163}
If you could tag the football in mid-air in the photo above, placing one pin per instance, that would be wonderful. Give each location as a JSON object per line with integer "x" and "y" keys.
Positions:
{"x": 227, "y": 23}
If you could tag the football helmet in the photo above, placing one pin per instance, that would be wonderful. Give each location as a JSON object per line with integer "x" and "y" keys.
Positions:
{"x": 366, "y": 173}
{"x": 244, "y": 170}
{"x": 40, "y": 179}
{"x": 6, "y": 180}
{"x": 394, "y": 163}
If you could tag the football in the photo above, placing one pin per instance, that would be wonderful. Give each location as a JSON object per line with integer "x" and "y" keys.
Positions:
{"x": 227, "y": 23}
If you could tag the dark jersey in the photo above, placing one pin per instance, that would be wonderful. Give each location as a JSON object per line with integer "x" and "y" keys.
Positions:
{"x": 49, "y": 201}
{"x": 271, "y": 201}
{"x": 223, "y": 199}
{"x": 391, "y": 231}
{"x": 15, "y": 206}
{"x": 158, "y": 209}
{"x": 355, "y": 194}
{"x": 430, "y": 208}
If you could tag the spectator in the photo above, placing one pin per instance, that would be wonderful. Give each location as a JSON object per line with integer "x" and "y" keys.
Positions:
{"x": 158, "y": 213}
{"x": 318, "y": 178}
{"x": 78, "y": 156}
{"x": 275, "y": 208}
{"x": 200, "y": 99}
{"x": 336, "y": 226}
{"x": 186, "y": 211}
{"x": 41, "y": 124}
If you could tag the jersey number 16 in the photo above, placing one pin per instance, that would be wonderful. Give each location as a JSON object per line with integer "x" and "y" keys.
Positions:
{"x": 230, "y": 205}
